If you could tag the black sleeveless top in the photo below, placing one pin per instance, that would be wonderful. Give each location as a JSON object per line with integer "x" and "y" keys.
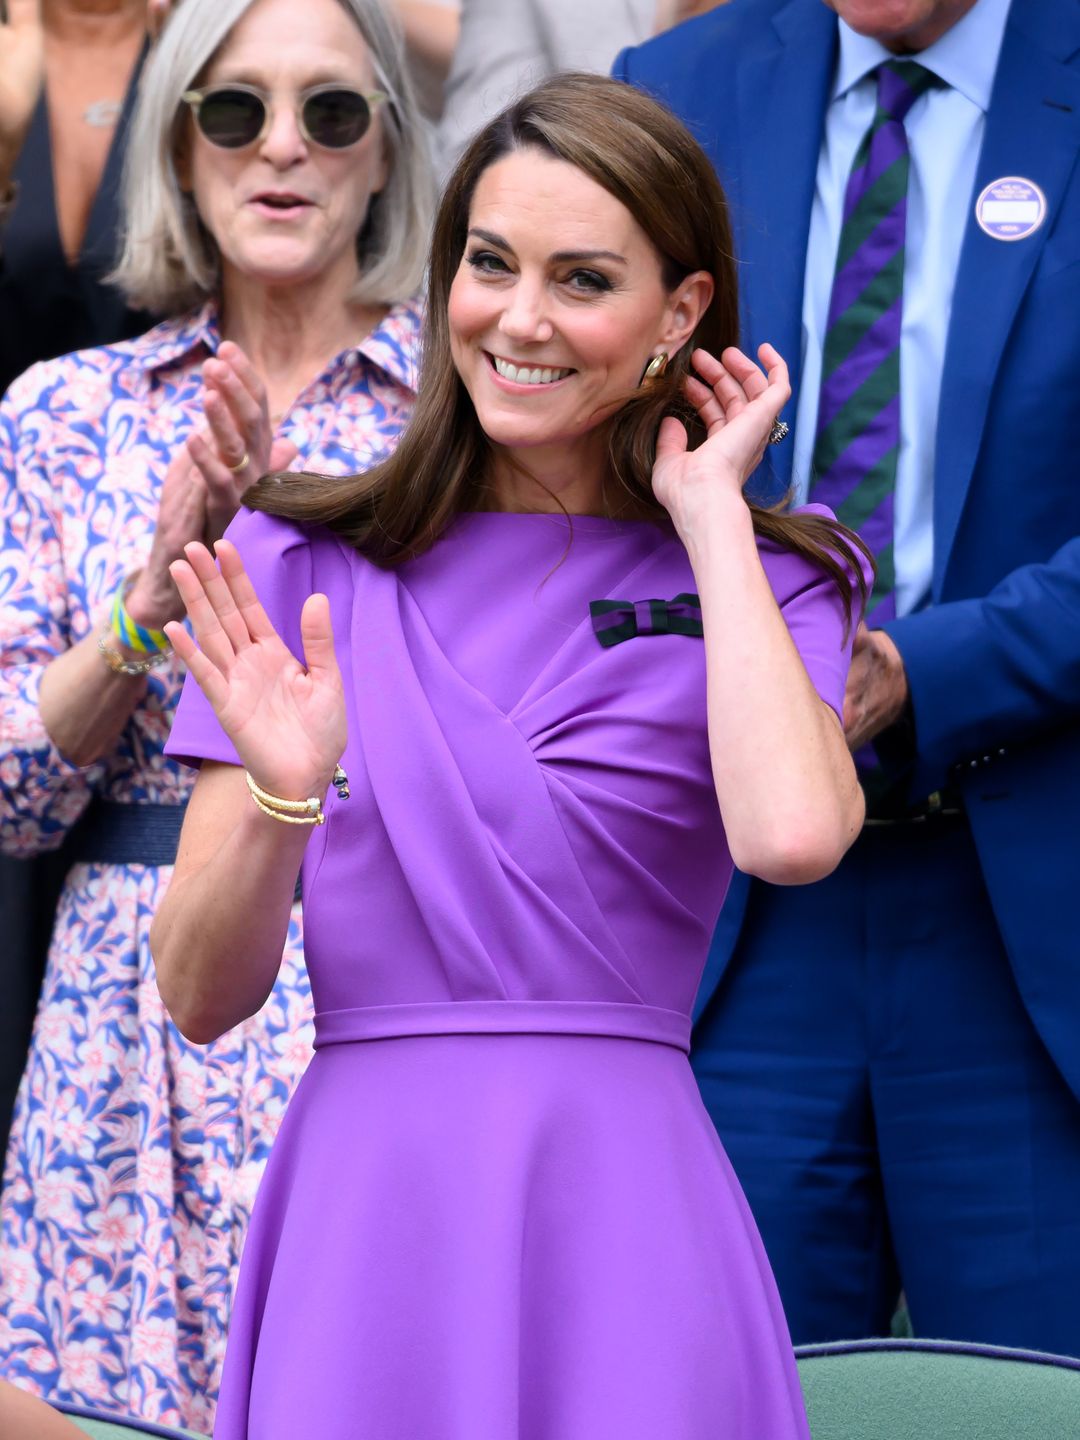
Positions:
{"x": 48, "y": 307}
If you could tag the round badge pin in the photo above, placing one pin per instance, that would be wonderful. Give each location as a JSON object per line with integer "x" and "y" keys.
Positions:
{"x": 1011, "y": 208}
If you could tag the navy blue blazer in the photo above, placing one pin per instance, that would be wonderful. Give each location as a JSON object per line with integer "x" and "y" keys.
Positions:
{"x": 994, "y": 663}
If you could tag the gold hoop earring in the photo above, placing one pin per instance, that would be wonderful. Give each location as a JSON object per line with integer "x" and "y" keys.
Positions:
{"x": 655, "y": 368}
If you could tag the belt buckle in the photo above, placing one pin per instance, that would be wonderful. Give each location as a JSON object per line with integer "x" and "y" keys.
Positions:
{"x": 934, "y": 807}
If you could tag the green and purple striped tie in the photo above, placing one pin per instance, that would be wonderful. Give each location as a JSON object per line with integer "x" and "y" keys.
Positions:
{"x": 858, "y": 429}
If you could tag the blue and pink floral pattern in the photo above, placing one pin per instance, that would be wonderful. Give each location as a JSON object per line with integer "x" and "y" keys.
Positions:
{"x": 135, "y": 1156}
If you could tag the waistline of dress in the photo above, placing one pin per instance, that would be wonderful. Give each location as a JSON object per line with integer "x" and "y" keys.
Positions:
{"x": 606, "y": 1020}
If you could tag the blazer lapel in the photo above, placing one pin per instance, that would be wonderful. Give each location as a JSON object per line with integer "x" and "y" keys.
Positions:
{"x": 783, "y": 93}
{"x": 1033, "y": 131}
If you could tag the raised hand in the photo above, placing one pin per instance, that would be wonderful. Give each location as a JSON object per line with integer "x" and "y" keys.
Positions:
{"x": 238, "y": 445}
{"x": 22, "y": 74}
{"x": 286, "y": 720}
{"x": 738, "y": 403}
{"x": 153, "y": 598}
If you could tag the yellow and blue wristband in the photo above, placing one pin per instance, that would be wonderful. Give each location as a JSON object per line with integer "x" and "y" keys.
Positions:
{"x": 129, "y": 632}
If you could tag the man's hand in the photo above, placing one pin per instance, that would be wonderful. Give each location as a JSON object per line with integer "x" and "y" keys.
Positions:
{"x": 22, "y": 73}
{"x": 877, "y": 688}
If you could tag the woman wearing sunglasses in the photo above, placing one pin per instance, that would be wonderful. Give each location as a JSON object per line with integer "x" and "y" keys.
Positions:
{"x": 277, "y": 206}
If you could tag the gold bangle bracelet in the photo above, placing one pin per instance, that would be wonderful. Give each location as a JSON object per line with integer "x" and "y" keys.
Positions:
{"x": 292, "y": 812}
{"x": 315, "y": 819}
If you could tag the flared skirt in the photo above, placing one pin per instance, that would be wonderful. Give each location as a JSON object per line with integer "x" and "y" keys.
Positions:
{"x": 504, "y": 1237}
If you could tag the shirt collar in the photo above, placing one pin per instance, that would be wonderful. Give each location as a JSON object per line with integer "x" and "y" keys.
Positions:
{"x": 174, "y": 340}
{"x": 965, "y": 57}
{"x": 393, "y": 346}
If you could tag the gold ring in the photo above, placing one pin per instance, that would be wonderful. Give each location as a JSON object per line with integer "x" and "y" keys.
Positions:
{"x": 241, "y": 464}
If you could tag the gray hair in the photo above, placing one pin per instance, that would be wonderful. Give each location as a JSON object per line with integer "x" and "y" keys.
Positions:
{"x": 169, "y": 262}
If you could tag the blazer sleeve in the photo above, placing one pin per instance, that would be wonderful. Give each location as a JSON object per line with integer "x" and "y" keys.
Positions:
{"x": 612, "y": 25}
{"x": 498, "y": 57}
{"x": 985, "y": 674}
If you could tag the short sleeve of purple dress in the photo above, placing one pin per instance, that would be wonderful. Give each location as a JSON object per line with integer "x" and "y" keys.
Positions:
{"x": 496, "y": 1208}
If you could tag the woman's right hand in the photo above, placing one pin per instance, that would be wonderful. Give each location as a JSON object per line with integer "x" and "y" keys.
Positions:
{"x": 154, "y": 599}
{"x": 286, "y": 720}
{"x": 22, "y": 75}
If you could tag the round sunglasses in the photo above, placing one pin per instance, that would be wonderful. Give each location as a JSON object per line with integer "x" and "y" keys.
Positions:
{"x": 332, "y": 116}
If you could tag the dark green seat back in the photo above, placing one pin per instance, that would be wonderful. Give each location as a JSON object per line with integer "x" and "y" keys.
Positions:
{"x": 874, "y": 1390}
{"x": 937, "y": 1390}
{"x": 114, "y": 1427}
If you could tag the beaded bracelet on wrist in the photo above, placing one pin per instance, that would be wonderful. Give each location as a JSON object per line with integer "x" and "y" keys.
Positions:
{"x": 144, "y": 640}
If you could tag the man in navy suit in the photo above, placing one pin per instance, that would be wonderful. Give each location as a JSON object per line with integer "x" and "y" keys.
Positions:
{"x": 892, "y": 1056}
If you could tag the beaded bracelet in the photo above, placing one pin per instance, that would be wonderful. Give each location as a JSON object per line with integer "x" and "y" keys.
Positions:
{"x": 140, "y": 638}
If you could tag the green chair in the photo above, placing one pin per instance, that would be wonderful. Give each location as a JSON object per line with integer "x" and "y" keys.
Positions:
{"x": 938, "y": 1390}
{"x": 102, "y": 1426}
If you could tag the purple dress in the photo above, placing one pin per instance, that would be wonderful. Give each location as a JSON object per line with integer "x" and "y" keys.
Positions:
{"x": 496, "y": 1206}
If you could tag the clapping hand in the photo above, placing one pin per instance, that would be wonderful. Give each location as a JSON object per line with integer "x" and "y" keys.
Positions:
{"x": 738, "y": 404}
{"x": 286, "y": 720}
{"x": 238, "y": 445}
{"x": 22, "y": 74}
{"x": 203, "y": 486}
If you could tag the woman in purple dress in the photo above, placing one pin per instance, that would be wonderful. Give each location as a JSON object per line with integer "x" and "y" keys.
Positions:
{"x": 572, "y": 675}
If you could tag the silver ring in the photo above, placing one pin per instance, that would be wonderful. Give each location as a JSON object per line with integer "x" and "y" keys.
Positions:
{"x": 778, "y": 431}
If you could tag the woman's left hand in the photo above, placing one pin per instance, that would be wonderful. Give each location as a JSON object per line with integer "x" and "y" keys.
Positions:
{"x": 238, "y": 445}
{"x": 738, "y": 406}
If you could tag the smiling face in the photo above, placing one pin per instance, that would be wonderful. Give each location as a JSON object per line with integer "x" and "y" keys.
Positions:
{"x": 283, "y": 210}
{"x": 558, "y": 305}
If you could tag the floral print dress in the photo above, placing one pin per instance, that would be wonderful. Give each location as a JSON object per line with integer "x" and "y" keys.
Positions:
{"x": 134, "y": 1156}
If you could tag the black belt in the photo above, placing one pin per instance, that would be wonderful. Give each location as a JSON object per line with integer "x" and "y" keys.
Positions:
{"x": 110, "y": 833}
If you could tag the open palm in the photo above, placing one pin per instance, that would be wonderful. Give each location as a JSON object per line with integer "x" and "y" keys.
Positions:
{"x": 738, "y": 404}
{"x": 286, "y": 720}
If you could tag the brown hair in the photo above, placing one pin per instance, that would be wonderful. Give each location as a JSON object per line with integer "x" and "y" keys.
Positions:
{"x": 643, "y": 156}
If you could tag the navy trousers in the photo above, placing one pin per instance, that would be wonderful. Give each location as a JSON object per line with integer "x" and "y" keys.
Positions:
{"x": 890, "y": 1109}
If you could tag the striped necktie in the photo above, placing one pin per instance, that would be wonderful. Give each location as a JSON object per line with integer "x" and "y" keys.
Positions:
{"x": 858, "y": 428}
